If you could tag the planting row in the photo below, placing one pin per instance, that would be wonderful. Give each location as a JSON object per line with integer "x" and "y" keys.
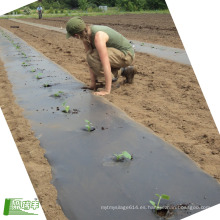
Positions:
{"x": 121, "y": 157}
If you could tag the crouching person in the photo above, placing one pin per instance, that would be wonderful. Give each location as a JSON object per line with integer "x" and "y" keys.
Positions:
{"x": 109, "y": 54}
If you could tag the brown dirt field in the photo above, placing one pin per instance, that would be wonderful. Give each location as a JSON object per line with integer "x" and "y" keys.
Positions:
{"x": 151, "y": 28}
{"x": 165, "y": 96}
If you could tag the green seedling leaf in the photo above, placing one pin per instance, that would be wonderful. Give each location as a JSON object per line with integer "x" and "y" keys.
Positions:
{"x": 33, "y": 70}
{"x": 123, "y": 155}
{"x": 164, "y": 196}
{"x": 118, "y": 156}
{"x": 24, "y": 64}
{"x": 153, "y": 203}
{"x": 89, "y": 125}
{"x": 127, "y": 155}
{"x": 58, "y": 93}
{"x": 24, "y": 54}
{"x": 38, "y": 76}
{"x": 67, "y": 108}
{"x": 142, "y": 44}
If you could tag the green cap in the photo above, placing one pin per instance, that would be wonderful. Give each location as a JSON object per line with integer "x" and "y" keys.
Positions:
{"x": 74, "y": 26}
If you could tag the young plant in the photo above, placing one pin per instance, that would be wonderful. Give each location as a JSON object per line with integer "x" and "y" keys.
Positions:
{"x": 89, "y": 126}
{"x": 162, "y": 196}
{"x": 24, "y": 54}
{"x": 38, "y": 76}
{"x": 24, "y": 64}
{"x": 66, "y": 107}
{"x": 46, "y": 85}
{"x": 33, "y": 70}
{"x": 123, "y": 155}
{"x": 58, "y": 94}
{"x": 17, "y": 46}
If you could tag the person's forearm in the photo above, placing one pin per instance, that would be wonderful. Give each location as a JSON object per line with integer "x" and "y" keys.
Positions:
{"x": 108, "y": 79}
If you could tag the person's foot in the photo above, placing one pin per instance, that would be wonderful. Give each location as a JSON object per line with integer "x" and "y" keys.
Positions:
{"x": 115, "y": 86}
{"x": 114, "y": 79}
{"x": 129, "y": 72}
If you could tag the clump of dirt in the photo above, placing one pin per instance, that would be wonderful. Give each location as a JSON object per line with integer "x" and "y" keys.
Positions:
{"x": 169, "y": 211}
{"x": 165, "y": 213}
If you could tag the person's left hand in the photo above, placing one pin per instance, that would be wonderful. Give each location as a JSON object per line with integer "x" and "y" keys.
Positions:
{"x": 101, "y": 93}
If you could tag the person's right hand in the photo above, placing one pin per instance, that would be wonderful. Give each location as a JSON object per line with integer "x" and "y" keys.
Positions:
{"x": 101, "y": 93}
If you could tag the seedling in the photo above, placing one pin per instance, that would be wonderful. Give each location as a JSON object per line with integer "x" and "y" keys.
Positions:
{"x": 47, "y": 85}
{"x": 89, "y": 126}
{"x": 123, "y": 155}
{"x": 162, "y": 196}
{"x": 38, "y": 76}
{"x": 66, "y": 107}
{"x": 24, "y": 54}
{"x": 24, "y": 64}
{"x": 17, "y": 46}
{"x": 33, "y": 70}
{"x": 142, "y": 44}
{"x": 58, "y": 94}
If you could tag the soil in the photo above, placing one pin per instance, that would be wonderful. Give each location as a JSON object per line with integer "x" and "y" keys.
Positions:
{"x": 165, "y": 96}
{"x": 151, "y": 28}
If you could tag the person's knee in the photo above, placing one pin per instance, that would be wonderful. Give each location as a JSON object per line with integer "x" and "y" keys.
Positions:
{"x": 94, "y": 62}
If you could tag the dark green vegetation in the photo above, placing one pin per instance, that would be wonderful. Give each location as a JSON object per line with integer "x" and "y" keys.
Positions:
{"x": 65, "y": 6}
{"x": 127, "y": 5}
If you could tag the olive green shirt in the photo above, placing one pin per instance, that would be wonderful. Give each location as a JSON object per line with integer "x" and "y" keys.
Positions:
{"x": 116, "y": 40}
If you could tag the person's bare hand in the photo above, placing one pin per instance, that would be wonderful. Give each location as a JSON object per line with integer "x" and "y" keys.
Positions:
{"x": 101, "y": 93}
